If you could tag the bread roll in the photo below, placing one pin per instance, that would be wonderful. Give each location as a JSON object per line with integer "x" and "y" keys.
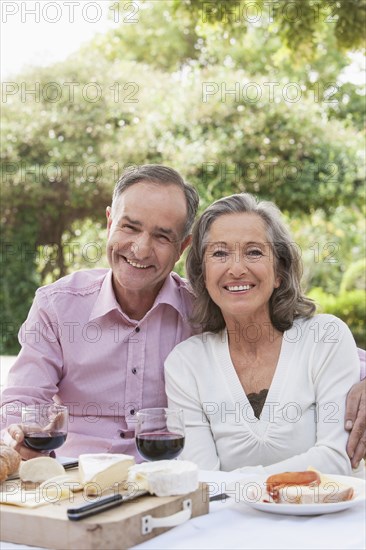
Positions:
{"x": 287, "y": 479}
{"x": 308, "y": 487}
{"x": 321, "y": 494}
{"x": 3, "y": 469}
{"x": 9, "y": 461}
{"x": 40, "y": 469}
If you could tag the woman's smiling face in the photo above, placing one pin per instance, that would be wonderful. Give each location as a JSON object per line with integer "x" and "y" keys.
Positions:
{"x": 239, "y": 266}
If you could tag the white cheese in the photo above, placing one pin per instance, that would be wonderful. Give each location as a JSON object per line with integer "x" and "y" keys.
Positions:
{"x": 99, "y": 471}
{"x": 165, "y": 477}
{"x": 40, "y": 469}
{"x": 68, "y": 481}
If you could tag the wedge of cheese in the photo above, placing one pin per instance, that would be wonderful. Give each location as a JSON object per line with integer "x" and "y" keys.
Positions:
{"x": 100, "y": 471}
{"x": 165, "y": 477}
{"x": 69, "y": 480}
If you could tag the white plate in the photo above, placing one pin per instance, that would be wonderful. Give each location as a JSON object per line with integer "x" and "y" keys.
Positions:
{"x": 252, "y": 493}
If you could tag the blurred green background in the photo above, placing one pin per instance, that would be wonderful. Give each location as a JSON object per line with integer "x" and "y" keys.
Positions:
{"x": 252, "y": 98}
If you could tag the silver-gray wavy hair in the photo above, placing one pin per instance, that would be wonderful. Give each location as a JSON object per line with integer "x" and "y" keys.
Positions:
{"x": 287, "y": 301}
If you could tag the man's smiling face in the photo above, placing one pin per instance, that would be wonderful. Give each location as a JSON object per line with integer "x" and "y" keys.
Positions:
{"x": 145, "y": 237}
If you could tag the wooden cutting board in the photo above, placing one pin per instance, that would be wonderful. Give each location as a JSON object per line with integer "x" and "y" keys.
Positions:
{"x": 48, "y": 526}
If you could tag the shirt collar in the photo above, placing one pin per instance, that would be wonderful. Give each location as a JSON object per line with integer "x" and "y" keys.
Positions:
{"x": 169, "y": 294}
{"x": 106, "y": 300}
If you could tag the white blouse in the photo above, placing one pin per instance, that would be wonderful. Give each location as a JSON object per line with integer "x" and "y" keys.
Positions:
{"x": 302, "y": 421}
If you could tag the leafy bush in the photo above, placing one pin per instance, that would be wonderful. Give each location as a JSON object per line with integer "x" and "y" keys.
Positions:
{"x": 348, "y": 306}
{"x": 355, "y": 276}
{"x": 330, "y": 247}
{"x": 162, "y": 92}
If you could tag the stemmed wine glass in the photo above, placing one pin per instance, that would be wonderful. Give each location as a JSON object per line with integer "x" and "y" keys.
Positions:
{"x": 159, "y": 433}
{"x": 45, "y": 426}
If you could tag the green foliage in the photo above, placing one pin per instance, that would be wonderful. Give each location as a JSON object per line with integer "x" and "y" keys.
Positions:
{"x": 328, "y": 245}
{"x": 354, "y": 277}
{"x": 300, "y": 25}
{"x": 84, "y": 245}
{"x": 160, "y": 39}
{"x": 19, "y": 281}
{"x": 349, "y": 105}
{"x": 50, "y": 161}
{"x": 259, "y": 38}
{"x": 348, "y": 306}
{"x": 351, "y": 22}
{"x": 213, "y": 99}
{"x": 53, "y": 152}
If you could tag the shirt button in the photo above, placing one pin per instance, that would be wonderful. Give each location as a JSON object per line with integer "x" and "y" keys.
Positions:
{"x": 137, "y": 329}
{"x": 132, "y": 412}
{"x": 134, "y": 371}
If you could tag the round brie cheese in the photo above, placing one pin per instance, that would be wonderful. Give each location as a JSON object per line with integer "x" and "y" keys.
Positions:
{"x": 165, "y": 477}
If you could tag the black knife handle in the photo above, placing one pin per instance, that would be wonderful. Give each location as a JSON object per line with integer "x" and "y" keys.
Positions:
{"x": 95, "y": 507}
{"x": 70, "y": 465}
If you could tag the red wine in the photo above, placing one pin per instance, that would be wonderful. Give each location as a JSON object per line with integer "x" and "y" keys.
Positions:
{"x": 45, "y": 441}
{"x": 159, "y": 446}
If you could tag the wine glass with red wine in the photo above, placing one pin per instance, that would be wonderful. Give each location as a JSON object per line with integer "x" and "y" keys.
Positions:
{"x": 45, "y": 426}
{"x": 159, "y": 433}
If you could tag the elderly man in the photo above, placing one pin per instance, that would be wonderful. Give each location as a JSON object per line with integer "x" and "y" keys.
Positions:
{"x": 96, "y": 340}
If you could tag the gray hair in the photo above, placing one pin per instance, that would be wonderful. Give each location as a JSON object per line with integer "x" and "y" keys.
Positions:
{"x": 287, "y": 301}
{"x": 162, "y": 175}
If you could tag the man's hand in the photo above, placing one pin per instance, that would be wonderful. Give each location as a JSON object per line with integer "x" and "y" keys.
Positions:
{"x": 355, "y": 422}
{"x": 16, "y": 441}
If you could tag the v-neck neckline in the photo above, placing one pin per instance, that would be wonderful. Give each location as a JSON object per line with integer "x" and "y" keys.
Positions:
{"x": 258, "y": 425}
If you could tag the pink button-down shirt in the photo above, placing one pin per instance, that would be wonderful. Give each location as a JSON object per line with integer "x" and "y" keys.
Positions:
{"x": 81, "y": 349}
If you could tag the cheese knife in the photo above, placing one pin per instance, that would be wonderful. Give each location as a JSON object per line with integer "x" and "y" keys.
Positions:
{"x": 101, "y": 505}
{"x": 221, "y": 496}
{"x": 70, "y": 465}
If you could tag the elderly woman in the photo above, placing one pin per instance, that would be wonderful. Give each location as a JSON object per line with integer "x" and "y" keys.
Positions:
{"x": 265, "y": 384}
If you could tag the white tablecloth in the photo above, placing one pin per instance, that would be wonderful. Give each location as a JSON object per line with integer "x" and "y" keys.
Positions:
{"x": 234, "y": 525}
{"x": 231, "y": 525}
